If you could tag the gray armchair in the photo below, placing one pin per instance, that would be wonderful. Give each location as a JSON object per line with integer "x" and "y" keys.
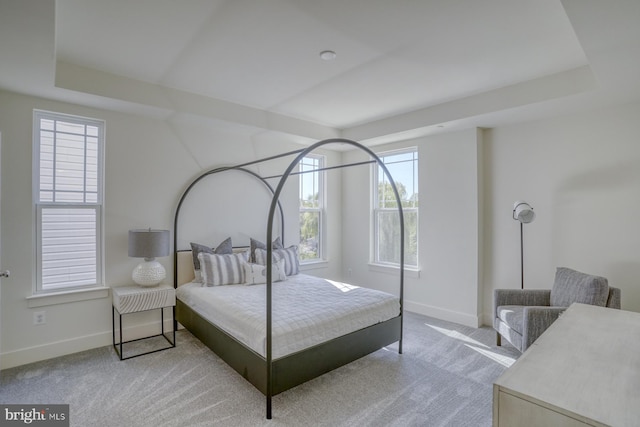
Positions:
{"x": 521, "y": 316}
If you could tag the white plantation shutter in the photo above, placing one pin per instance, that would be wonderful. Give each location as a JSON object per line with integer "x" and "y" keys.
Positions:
{"x": 68, "y": 200}
{"x": 68, "y": 247}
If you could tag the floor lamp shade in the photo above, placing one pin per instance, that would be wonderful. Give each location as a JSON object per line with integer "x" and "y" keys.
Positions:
{"x": 148, "y": 244}
{"x": 522, "y": 212}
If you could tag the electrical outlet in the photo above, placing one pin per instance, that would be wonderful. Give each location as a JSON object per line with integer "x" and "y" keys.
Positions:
{"x": 39, "y": 318}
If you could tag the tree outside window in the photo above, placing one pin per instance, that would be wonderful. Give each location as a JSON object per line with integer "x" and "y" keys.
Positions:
{"x": 310, "y": 247}
{"x": 403, "y": 167}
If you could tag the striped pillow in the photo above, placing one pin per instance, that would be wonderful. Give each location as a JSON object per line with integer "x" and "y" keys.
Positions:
{"x": 290, "y": 256}
{"x": 226, "y": 247}
{"x": 261, "y": 256}
{"x": 291, "y": 260}
{"x": 218, "y": 270}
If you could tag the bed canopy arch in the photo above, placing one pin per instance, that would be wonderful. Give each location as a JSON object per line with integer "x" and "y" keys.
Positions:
{"x": 275, "y": 206}
{"x": 239, "y": 168}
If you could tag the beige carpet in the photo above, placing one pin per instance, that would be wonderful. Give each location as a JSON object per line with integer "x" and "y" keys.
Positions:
{"x": 444, "y": 378}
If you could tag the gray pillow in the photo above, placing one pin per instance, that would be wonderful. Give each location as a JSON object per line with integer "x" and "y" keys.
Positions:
{"x": 226, "y": 247}
{"x": 573, "y": 286}
{"x": 256, "y": 244}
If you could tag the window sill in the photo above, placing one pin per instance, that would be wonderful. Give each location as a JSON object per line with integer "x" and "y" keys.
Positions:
{"x": 63, "y": 297}
{"x": 388, "y": 269}
{"x": 314, "y": 265}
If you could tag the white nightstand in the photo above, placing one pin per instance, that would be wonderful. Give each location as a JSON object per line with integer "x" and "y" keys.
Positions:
{"x": 136, "y": 299}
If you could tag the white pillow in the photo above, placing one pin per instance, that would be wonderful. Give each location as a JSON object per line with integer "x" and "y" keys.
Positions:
{"x": 220, "y": 270}
{"x": 256, "y": 273}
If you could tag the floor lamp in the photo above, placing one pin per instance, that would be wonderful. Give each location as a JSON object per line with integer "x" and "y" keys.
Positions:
{"x": 523, "y": 212}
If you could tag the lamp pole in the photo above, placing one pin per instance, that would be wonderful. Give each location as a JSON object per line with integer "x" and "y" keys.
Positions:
{"x": 523, "y": 213}
{"x": 521, "y": 257}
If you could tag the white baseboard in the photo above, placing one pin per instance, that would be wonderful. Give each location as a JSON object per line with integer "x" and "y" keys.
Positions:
{"x": 24, "y": 356}
{"x": 443, "y": 314}
{"x": 487, "y": 319}
{"x": 61, "y": 348}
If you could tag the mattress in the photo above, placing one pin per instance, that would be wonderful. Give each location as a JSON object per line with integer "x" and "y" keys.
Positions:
{"x": 307, "y": 310}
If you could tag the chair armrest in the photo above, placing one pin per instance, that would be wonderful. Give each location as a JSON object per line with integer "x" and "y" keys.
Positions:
{"x": 537, "y": 297}
{"x": 536, "y": 321}
{"x": 614, "y": 298}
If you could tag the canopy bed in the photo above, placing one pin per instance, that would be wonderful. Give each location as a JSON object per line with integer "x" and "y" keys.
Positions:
{"x": 287, "y": 327}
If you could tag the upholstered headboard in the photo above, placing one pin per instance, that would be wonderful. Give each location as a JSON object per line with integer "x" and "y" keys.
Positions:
{"x": 184, "y": 267}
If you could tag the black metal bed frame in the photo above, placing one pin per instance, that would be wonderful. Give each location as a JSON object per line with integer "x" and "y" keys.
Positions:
{"x": 275, "y": 376}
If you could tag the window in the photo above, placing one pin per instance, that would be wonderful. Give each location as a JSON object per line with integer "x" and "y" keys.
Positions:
{"x": 68, "y": 201}
{"x": 403, "y": 167}
{"x": 311, "y": 208}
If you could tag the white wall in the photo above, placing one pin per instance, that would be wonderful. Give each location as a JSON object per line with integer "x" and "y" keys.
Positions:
{"x": 148, "y": 164}
{"x": 449, "y": 285}
{"x": 581, "y": 174}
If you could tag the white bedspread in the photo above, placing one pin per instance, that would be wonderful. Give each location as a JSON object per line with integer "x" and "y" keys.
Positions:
{"x": 306, "y": 311}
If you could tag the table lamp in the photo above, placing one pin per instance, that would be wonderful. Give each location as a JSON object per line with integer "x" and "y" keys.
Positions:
{"x": 148, "y": 244}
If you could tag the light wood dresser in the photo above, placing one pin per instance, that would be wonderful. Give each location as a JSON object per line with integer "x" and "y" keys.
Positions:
{"x": 583, "y": 371}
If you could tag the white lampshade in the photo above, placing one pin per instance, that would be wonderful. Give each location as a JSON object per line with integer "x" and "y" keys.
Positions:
{"x": 148, "y": 244}
{"x": 523, "y": 212}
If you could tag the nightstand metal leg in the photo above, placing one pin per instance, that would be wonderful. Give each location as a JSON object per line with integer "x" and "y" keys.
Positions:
{"x": 162, "y": 321}
{"x": 113, "y": 328}
{"x": 121, "y": 354}
{"x": 113, "y": 325}
{"x": 173, "y": 312}
{"x": 118, "y": 346}
{"x": 175, "y": 324}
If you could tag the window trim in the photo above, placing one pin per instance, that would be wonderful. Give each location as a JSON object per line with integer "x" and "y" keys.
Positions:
{"x": 375, "y": 264}
{"x": 321, "y": 209}
{"x": 42, "y": 297}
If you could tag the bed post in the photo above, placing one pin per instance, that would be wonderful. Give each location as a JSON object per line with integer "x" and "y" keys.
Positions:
{"x": 269, "y": 361}
{"x": 272, "y": 209}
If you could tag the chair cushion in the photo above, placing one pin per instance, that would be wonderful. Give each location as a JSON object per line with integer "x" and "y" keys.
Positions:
{"x": 572, "y": 286}
{"x": 512, "y": 315}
